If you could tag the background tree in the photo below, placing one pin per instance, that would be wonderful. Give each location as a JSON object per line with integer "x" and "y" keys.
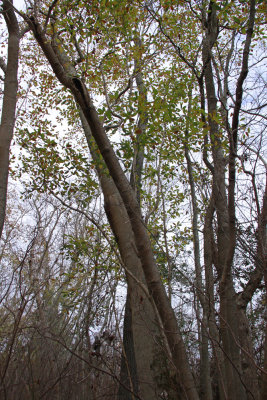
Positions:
{"x": 9, "y": 69}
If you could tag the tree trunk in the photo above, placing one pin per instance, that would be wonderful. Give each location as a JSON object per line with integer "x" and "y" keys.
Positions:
{"x": 264, "y": 372}
{"x": 205, "y": 381}
{"x": 219, "y": 379}
{"x": 141, "y": 242}
{"x": 141, "y": 320}
{"x": 225, "y": 209}
{"x": 128, "y": 371}
{"x": 263, "y": 252}
{"x": 9, "y": 103}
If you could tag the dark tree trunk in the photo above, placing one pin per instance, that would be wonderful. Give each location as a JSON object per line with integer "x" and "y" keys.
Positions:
{"x": 128, "y": 375}
{"x": 9, "y": 102}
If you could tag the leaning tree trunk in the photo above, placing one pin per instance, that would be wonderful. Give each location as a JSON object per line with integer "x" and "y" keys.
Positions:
{"x": 141, "y": 363}
{"x": 141, "y": 243}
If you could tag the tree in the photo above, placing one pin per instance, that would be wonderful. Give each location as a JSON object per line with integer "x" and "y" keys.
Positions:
{"x": 10, "y": 70}
{"x": 180, "y": 109}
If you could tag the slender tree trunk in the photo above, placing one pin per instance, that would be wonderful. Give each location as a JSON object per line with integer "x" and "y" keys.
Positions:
{"x": 264, "y": 372}
{"x": 128, "y": 371}
{"x": 248, "y": 364}
{"x": 9, "y": 102}
{"x": 205, "y": 381}
{"x": 262, "y": 250}
{"x": 209, "y": 260}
